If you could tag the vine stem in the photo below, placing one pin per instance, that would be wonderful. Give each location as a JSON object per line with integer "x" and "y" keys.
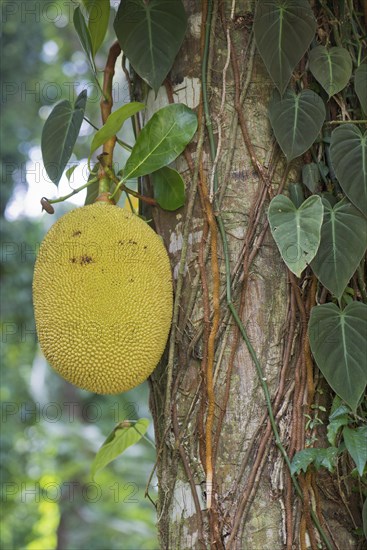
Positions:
{"x": 230, "y": 304}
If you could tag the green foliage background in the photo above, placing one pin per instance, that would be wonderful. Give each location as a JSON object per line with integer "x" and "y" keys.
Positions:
{"x": 46, "y": 447}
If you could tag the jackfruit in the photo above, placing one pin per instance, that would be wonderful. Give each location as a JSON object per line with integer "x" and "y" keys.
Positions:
{"x": 102, "y": 294}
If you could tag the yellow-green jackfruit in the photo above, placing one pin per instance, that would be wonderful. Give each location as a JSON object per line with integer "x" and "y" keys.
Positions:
{"x": 102, "y": 294}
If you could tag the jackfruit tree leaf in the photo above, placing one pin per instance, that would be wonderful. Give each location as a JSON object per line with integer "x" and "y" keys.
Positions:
{"x": 121, "y": 438}
{"x": 296, "y": 120}
{"x": 59, "y": 135}
{"x": 99, "y": 15}
{"x": 69, "y": 172}
{"x": 84, "y": 35}
{"x": 348, "y": 150}
{"x": 296, "y": 231}
{"x": 93, "y": 188}
{"x": 317, "y": 457}
{"x": 160, "y": 142}
{"x": 356, "y": 443}
{"x": 331, "y": 67}
{"x": 360, "y": 85}
{"x": 342, "y": 247}
{"x": 150, "y": 34}
{"x": 114, "y": 124}
{"x": 283, "y": 31}
{"x": 169, "y": 188}
{"x": 339, "y": 346}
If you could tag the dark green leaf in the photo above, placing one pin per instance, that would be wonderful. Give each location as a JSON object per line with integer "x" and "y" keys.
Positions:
{"x": 93, "y": 188}
{"x": 343, "y": 244}
{"x": 310, "y": 176}
{"x": 117, "y": 442}
{"x": 348, "y": 152}
{"x": 360, "y": 85}
{"x": 356, "y": 444}
{"x": 339, "y": 346}
{"x": 169, "y": 188}
{"x": 296, "y": 120}
{"x": 296, "y": 230}
{"x": 334, "y": 426}
{"x": 163, "y": 138}
{"x": 283, "y": 31}
{"x": 99, "y": 15}
{"x": 59, "y": 135}
{"x": 114, "y": 123}
{"x": 83, "y": 33}
{"x": 319, "y": 457}
{"x": 331, "y": 67}
{"x": 150, "y": 35}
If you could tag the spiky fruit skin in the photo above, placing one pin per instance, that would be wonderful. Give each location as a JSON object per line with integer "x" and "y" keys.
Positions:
{"x": 102, "y": 294}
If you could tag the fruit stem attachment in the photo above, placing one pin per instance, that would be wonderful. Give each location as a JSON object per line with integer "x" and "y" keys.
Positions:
{"x": 122, "y": 187}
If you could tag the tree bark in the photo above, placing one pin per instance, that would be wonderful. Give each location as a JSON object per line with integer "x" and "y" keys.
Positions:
{"x": 254, "y": 504}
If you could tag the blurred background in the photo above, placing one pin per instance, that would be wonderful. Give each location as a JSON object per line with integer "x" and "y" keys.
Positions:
{"x": 50, "y": 429}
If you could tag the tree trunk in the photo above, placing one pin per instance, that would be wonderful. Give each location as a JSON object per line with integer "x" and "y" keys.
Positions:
{"x": 253, "y": 502}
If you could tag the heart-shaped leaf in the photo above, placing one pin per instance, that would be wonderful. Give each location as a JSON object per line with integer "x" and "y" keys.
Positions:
{"x": 59, "y": 135}
{"x": 296, "y": 120}
{"x": 360, "y": 85}
{"x": 348, "y": 152}
{"x": 356, "y": 443}
{"x": 343, "y": 244}
{"x": 150, "y": 34}
{"x": 317, "y": 457}
{"x": 283, "y": 31}
{"x": 114, "y": 123}
{"x": 122, "y": 437}
{"x": 331, "y": 67}
{"x": 163, "y": 138}
{"x": 339, "y": 346}
{"x": 99, "y": 15}
{"x": 296, "y": 230}
{"x": 169, "y": 188}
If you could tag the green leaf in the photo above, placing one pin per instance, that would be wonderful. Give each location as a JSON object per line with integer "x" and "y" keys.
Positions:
{"x": 169, "y": 188}
{"x": 296, "y": 230}
{"x": 334, "y": 426}
{"x": 59, "y": 135}
{"x": 360, "y": 85}
{"x": 356, "y": 444}
{"x": 342, "y": 247}
{"x": 150, "y": 34}
{"x": 69, "y": 172}
{"x": 310, "y": 176}
{"x": 296, "y": 120}
{"x": 296, "y": 194}
{"x": 348, "y": 152}
{"x": 93, "y": 188}
{"x": 319, "y": 457}
{"x": 163, "y": 138}
{"x": 99, "y": 15}
{"x": 283, "y": 31}
{"x": 114, "y": 124}
{"x": 331, "y": 67}
{"x": 339, "y": 346}
{"x": 117, "y": 442}
{"x": 83, "y": 33}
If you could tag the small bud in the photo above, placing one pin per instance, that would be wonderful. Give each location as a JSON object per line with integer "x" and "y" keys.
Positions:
{"x": 47, "y": 206}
